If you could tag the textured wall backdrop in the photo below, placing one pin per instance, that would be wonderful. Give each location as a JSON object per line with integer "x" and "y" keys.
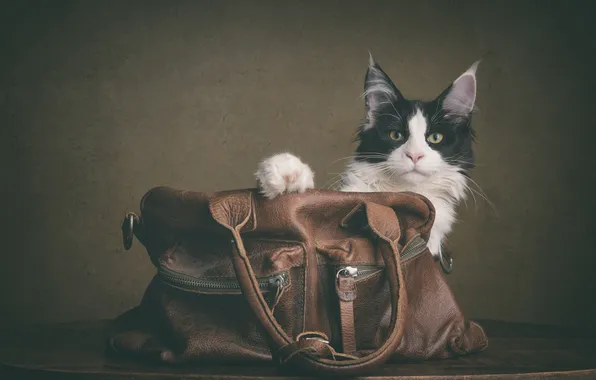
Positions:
{"x": 102, "y": 100}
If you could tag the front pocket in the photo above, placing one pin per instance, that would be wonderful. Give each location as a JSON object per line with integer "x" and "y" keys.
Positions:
{"x": 372, "y": 305}
{"x": 207, "y": 319}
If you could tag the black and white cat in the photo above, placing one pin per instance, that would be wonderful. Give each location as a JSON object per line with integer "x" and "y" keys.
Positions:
{"x": 404, "y": 145}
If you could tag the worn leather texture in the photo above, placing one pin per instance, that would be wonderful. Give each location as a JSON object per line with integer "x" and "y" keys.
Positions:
{"x": 240, "y": 238}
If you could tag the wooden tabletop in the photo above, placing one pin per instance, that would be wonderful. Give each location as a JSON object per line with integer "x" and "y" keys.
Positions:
{"x": 516, "y": 351}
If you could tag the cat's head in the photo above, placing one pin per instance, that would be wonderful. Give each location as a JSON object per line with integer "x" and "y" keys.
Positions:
{"x": 415, "y": 139}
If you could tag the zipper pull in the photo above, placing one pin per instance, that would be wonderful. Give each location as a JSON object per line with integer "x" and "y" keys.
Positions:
{"x": 347, "y": 271}
{"x": 278, "y": 284}
{"x": 277, "y": 281}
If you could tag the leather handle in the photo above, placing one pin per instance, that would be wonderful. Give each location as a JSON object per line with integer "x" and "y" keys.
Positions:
{"x": 233, "y": 212}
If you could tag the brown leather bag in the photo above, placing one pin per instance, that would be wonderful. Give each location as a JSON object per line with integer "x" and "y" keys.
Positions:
{"x": 332, "y": 283}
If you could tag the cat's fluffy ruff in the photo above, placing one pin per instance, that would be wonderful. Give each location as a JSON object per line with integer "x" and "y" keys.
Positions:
{"x": 408, "y": 163}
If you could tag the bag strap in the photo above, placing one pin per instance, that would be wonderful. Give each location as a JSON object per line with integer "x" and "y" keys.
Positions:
{"x": 311, "y": 351}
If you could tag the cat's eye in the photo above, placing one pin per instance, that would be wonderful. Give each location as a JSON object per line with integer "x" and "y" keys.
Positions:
{"x": 435, "y": 138}
{"x": 395, "y": 135}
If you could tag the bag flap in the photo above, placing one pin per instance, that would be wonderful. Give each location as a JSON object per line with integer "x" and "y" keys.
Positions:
{"x": 167, "y": 214}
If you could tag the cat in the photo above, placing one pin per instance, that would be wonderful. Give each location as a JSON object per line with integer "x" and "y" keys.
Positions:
{"x": 403, "y": 145}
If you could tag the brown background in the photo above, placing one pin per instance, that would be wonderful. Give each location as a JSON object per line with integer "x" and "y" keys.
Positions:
{"x": 102, "y": 100}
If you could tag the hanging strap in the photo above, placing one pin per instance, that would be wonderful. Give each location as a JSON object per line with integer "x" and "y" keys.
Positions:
{"x": 311, "y": 351}
{"x": 345, "y": 288}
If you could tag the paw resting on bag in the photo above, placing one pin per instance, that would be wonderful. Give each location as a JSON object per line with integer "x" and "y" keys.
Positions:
{"x": 283, "y": 173}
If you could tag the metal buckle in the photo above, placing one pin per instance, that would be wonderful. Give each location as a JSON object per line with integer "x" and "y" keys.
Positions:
{"x": 312, "y": 335}
{"x": 316, "y": 338}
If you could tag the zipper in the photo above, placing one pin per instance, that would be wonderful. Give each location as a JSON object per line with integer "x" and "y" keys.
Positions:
{"x": 416, "y": 247}
{"x": 219, "y": 284}
{"x": 360, "y": 270}
{"x": 274, "y": 282}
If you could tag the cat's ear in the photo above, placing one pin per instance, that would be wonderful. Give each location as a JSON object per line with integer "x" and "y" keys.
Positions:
{"x": 459, "y": 98}
{"x": 378, "y": 88}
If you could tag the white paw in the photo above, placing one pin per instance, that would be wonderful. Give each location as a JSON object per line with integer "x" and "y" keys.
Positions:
{"x": 283, "y": 173}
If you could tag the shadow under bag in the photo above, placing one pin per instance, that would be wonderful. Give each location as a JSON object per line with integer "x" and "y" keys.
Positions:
{"x": 323, "y": 282}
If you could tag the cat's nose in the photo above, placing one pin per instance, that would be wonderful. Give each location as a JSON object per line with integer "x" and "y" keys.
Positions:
{"x": 415, "y": 157}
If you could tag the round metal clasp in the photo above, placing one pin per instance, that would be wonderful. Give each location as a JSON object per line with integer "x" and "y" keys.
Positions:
{"x": 446, "y": 262}
{"x": 128, "y": 225}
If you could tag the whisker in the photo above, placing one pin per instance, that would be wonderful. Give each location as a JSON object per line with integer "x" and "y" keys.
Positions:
{"x": 330, "y": 182}
{"x": 392, "y": 115}
{"x": 336, "y": 184}
{"x": 362, "y": 155}
{"x": 464, "y": 162}
{"x": 483, "y": 194}
{"x": 390, "y": 102}
{"x": 332, "y": 185}
{"x": 473, "y": 196}
{"x": 384, "y": 172}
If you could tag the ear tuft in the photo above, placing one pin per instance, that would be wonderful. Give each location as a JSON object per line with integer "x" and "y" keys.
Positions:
{"x": 371, "y": 60}
{"x": 378, "y": 89}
